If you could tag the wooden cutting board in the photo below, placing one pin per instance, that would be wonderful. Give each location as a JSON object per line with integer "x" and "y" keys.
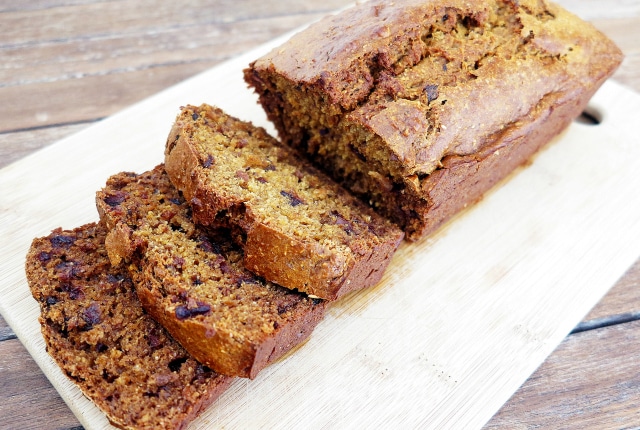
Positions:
{"x": 458, "y": 323}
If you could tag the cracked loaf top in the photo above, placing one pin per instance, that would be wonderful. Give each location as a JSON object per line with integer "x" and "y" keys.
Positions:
{"x": 442, "y": 77}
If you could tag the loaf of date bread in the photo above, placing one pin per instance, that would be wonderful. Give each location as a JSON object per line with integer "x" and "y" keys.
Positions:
{"x": 298, "y": 228}
{"x": 420, "y": 106}
{"x": 192, "y": 281}
{"x": 95, "y": 329}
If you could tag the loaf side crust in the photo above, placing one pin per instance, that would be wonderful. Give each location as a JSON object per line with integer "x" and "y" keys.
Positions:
{"x": 192, "y": 280}
{"x": 298, "y": 228}
{"x": 95, "y": 329}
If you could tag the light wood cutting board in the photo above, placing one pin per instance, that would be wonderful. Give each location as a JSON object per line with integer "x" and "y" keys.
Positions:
{"x": 459, "y": 321}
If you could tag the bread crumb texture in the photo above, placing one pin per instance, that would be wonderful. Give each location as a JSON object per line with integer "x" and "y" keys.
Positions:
{"x": 97, "y": 332}
{"x": 297, "y": 226}
{"x": 192, "y": 280}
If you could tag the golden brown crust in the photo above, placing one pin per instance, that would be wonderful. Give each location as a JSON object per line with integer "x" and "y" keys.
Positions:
{"x": 435, "y": 80}
{"x": 192, "y": 281}
{"x": 97, "y": 332}
{"x": 297, "y": 227}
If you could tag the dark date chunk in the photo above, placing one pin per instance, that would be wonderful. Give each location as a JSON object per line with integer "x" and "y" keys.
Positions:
{"x": 115, "y": 279}
{"x": 209, "y": 161}
{"x": 115, "y": 199}
{"x": 432, "y": 92}
{"x": 155, "y": 337}
{"x": 66, "y": 270}
{"x": 61, "y": 241}
{"x": 178, "y": 263}
{"x": 92, "y": 315}
{"x": 294, "y": 200}
{"x": 245, "y": 278}
{"x": 75, "y": 292}
{"x": 183, "y": 312}
{"x": 44, "y": 256}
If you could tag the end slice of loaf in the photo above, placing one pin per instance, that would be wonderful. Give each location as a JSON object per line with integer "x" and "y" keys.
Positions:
{"x": 420, "y": 106}
{"x": 192, "y": 280}
{"x": 298, "y": 228}
{"x": 95, "y": 329}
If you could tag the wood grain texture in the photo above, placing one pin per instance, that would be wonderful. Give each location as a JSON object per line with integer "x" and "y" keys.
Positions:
{"x": 567, "y": 391}
{"x": 29, "y": 401}
{"x": 42, "y": 66}
{"x": 6, "y": 333}
{"x": 27, "y": 398}
{"x": 16, "y": 145}
{"x": 70, "y": 63}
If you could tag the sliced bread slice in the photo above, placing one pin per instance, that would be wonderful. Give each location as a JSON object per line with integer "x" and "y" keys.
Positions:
{"x": 192, "y": 280}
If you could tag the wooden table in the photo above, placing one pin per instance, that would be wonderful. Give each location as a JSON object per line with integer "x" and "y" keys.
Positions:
{"x": 67, "y": 64}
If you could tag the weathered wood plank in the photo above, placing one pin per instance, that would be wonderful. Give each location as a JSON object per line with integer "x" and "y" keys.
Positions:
{"x": 590, "y": 381}
{"x": 81, "y": 100}
{"x": 14, "y": 146}
{"x": 13, "y": 6}
{"x": 72, "y": 81}
{"x": 102, "y": 19}
{"x": 76, "y": 57}
{"x": 6, "y": 333}
{"x": 28, "y": 399}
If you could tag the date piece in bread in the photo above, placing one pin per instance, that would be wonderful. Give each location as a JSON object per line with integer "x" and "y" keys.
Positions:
{"x": 192, "y": 280}
{"x": 298, "y": 228}
{"x": 420, "y": 106}
{"x": 97, "y": 332}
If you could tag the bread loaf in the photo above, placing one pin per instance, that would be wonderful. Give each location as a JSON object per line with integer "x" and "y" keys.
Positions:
{"x": 420, "y": 106}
